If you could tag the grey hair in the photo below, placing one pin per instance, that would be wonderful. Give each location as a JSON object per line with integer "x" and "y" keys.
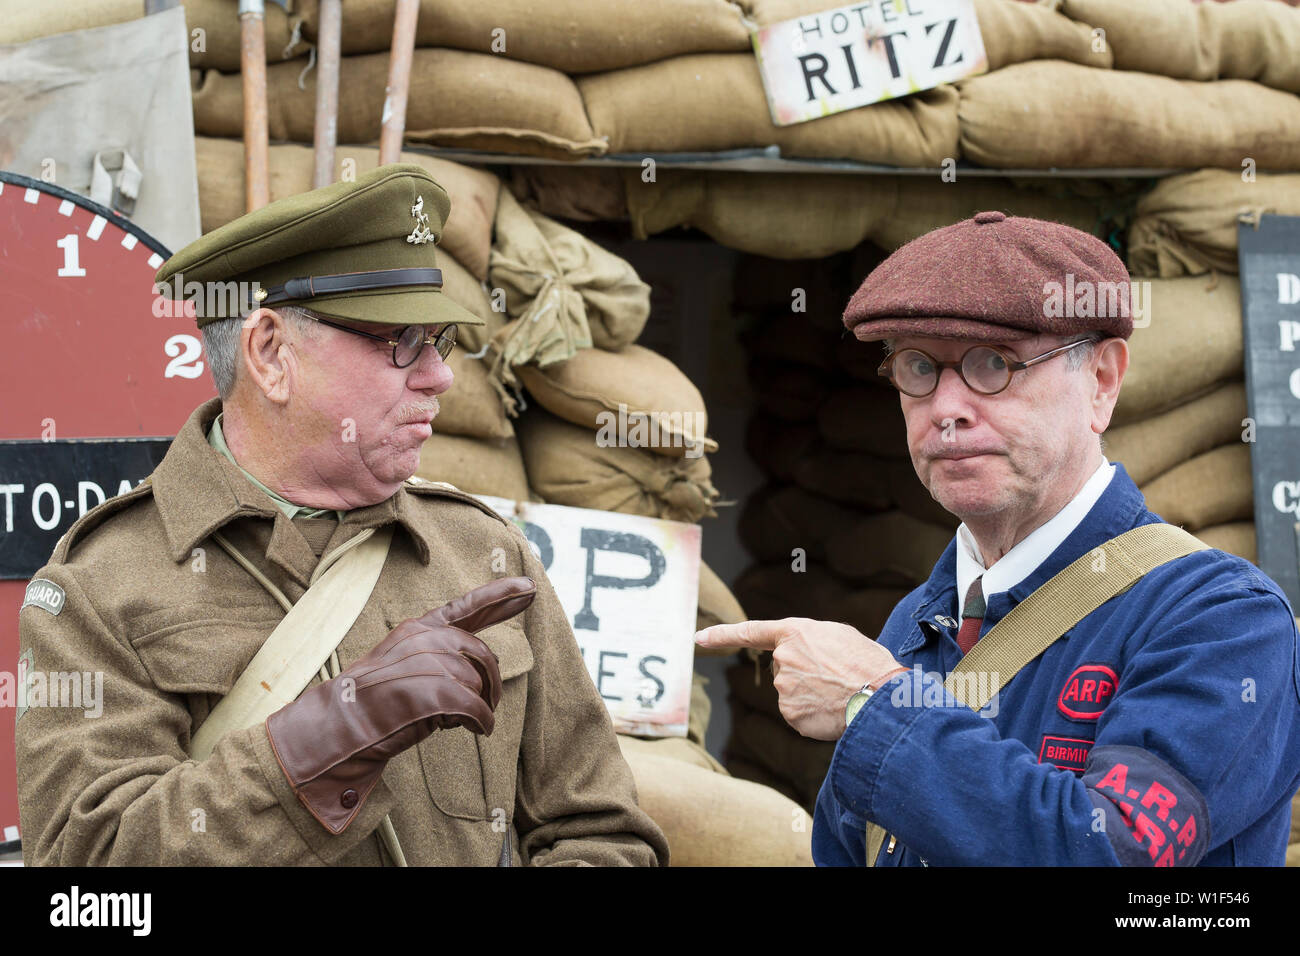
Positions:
{"x": 221, "y": 342}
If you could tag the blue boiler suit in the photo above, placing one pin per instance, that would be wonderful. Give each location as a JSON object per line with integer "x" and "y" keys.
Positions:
{"x": 1164, "y": 729}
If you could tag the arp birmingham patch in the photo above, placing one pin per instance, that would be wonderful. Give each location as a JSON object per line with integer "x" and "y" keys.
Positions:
{"x": 45, "y": 594}
{"x": 1066, "y": 753}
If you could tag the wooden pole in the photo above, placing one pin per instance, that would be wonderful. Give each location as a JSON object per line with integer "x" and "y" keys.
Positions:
{"x": 252, "y": 65}
{"x": 399, "y": 81}
{"x": 328, "y": 39}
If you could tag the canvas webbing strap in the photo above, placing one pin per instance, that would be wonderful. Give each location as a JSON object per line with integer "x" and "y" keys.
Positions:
{"x": 300, "y": 644}
{"x": 1037, "y": 622}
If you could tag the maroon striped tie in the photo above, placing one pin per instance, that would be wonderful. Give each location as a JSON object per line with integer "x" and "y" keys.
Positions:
{"x": 972, "y": 617}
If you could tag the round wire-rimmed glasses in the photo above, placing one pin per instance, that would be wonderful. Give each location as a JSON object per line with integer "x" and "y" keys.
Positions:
{"x": 986, "y": 369}
{"x": 410, "y": 342}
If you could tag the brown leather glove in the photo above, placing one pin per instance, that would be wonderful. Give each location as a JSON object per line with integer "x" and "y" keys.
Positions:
{"x": 334, "y": 741}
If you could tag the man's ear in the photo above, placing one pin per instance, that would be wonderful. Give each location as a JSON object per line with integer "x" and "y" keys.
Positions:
{"x": 1110, "y": 362}
{"x": 265, "y": 350}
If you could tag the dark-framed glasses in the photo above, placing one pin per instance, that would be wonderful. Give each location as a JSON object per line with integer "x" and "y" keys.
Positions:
{"x": 410, "y": 341}
{"x": 986, "y": 369}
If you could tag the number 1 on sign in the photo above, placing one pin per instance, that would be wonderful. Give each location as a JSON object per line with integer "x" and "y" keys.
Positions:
{"x": 71, "y": 257}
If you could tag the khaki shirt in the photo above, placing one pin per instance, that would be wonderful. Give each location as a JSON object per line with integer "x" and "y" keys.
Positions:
{"x": 170, "y": 621}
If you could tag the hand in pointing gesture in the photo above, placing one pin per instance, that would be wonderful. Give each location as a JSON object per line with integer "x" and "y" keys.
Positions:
{"x": 817, "y": 666}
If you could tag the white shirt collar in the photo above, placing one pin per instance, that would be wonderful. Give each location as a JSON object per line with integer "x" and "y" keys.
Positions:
{"x": 1022, "y": 560}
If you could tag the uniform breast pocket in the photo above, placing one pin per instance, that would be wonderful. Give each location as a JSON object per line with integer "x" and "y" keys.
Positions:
{"x": 473, "y": 777}
{"x": 200, "y": 650}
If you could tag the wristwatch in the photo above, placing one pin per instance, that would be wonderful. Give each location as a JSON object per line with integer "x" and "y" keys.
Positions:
{"x": 855, "y": 703}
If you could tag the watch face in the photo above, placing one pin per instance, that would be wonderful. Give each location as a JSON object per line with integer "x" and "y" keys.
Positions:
{"x": 855, "y": 705}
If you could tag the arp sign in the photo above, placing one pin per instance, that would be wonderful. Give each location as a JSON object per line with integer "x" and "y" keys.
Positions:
{"x": 630, "y": 586}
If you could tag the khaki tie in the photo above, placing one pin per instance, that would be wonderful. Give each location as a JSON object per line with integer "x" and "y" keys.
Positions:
{"x": 972, "y": 617}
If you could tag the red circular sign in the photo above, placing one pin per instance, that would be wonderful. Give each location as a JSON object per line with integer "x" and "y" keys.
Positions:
{"x": 84, "y": 353}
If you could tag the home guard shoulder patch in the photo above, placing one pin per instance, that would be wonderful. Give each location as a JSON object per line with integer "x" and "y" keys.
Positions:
{"x": 1087, "y": 691}
{"x": 45, "y": 594}
{"x": 1065, "y": 753}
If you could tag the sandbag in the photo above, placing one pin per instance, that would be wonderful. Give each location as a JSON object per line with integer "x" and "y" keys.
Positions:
{"x": 790, "y": 393}
{"x": 743, "y": 769}
{"x": 466, "y": 100}
{"x": 219, "y": 21}
{"x": 1117, "y": 118}
{"x": 778, "y": 519}
{"x": 467, "y": 234}
{"x": 481, "y": 466}
{"x": 800, "y": 216}
{"x": 711, "y": 819}
{"x": 776, "y": 590}
{"x": 566, "y": 467}
{"x": 1213, "y": 488}
{"x": 575, "y": 36}
{"x": 778, "y": 446}
{"x": 1234, "y": 537}
{"x": 1012, "y": 31}
{"x": 562, "y": 291}
{"x": 1187, "y": 224}
{"x": 851, "y": 477}
{"x": 859, "y": 418}
{"x": 27, "y": 21}
{"x": 715, "y": 605}
{"x": 1154, "y": 445}
{"x": 778, "y": 286}
{"x": 471, "y": 406}
{"x": 583, "y": 194}
{"x": 1192, "y": 343}
{"x": 1245, "y": 39}
{"x": 783, "y": 336}
{"x": 715, "y": 101}
{"x": 634, "y": 390}
{"x": 862, "y": 360}
{"x": 867, "y": 609}
{"x": 888, "y": 543}
{"x": 773, "y": 744}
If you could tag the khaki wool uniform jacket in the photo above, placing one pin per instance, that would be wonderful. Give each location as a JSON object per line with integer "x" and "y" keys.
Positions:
{"x": 167, "y": 616}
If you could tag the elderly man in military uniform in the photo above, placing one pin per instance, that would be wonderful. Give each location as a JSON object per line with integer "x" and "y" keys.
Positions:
{"x": 309, "y": 656}
{"x": 1077, "y": 682}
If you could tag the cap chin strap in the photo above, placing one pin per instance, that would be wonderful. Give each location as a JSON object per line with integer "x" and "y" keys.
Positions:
{"x": 308, "y": 287}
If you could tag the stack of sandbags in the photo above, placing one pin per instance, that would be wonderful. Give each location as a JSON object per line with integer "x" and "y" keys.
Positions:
{"x": 807, "y": 216}
{"x": 1187, "y": 224}
{"x": 456, "y": 99}
{"x": 213, "y": 26}
{"x": 1180, "y": 426}
{"x": 466, "y": 235}
{"x": 560, "y": 295}
{"x": 1246, "y": 39}
{"x": 1012, "y": 118}
{"x": 843, "y": 529}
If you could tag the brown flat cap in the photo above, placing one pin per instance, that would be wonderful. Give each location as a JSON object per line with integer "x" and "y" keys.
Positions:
{"x": 995, "y": 278}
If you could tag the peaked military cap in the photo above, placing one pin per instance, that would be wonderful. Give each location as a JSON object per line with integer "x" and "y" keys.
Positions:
{"x": 363, "y": 251}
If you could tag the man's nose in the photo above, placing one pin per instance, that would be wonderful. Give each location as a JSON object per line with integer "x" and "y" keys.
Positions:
{"x": 430, "y": 373}
{"x": 951, "y": 400}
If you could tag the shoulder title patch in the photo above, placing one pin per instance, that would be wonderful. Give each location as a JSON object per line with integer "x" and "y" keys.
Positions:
{"x": 45, "y": 594}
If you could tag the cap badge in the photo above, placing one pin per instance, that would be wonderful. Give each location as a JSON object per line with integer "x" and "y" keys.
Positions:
{"x": 420, "y": 234}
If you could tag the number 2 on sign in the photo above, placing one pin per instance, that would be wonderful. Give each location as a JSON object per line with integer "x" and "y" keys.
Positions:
{"x": 71, "y": 256}
{"x": 184, "y": 351}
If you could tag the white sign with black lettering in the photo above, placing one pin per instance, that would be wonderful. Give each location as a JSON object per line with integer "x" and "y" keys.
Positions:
{"x": 629, "y": 586}
{"x": 843, "y": 58}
